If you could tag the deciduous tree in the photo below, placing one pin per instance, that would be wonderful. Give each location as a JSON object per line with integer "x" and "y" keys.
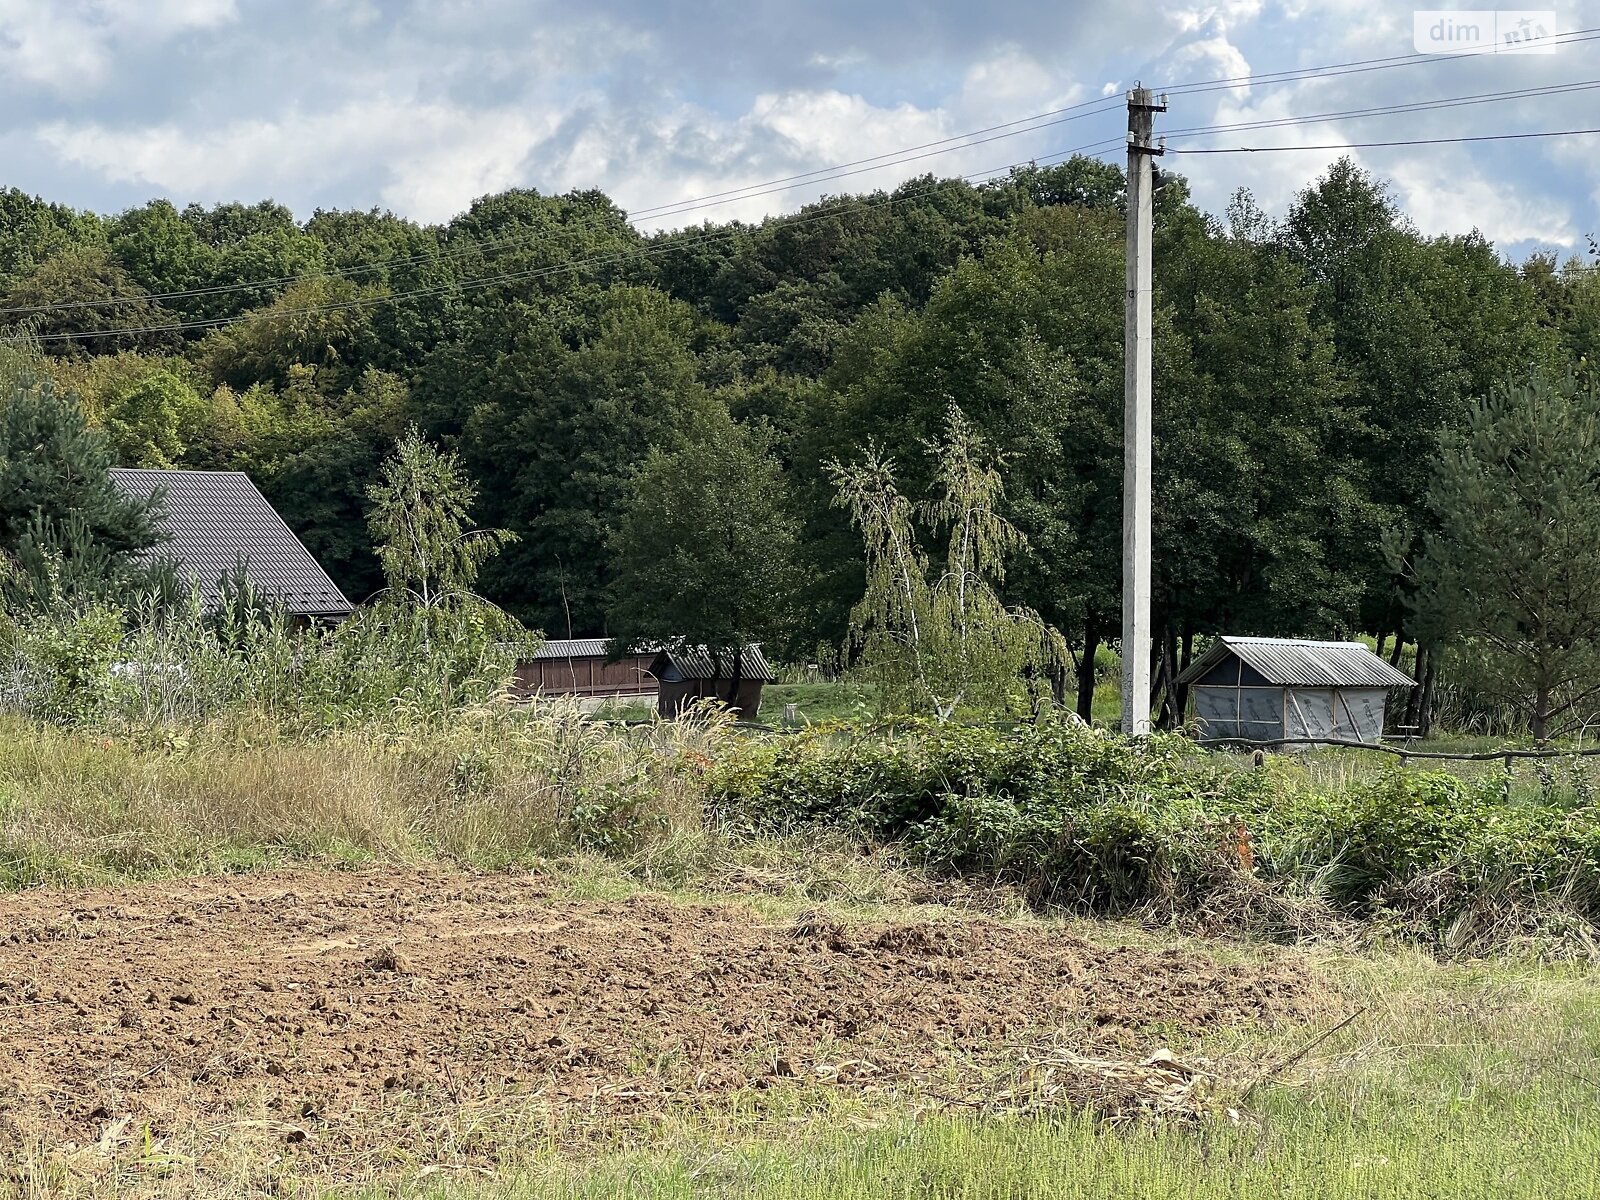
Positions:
{"x": 705, "y": 549}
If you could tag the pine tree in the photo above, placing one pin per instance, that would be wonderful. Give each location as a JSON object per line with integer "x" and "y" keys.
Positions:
{"x": 1512, "y": 566}
{"x": 60, "y": 513}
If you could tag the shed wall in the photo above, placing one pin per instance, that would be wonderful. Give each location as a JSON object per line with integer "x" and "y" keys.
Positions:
{"x": 584, "y": 675}
{"x": 1250, "y": 712}
{"x": 676, "y": 695}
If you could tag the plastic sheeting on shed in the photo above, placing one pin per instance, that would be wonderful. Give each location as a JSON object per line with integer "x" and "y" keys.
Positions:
{"x": 1345, "y": 714}
{"x": 1264, "y": 714}
{"x": 1239, "y": 712}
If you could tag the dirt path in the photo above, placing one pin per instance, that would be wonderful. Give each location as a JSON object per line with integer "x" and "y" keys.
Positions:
{"x": 315, "y": 996}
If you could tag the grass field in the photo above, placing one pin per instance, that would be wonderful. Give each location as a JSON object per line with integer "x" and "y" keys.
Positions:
{"x": 1453, "y": 1082}
{"x": 1416, "y": 1078}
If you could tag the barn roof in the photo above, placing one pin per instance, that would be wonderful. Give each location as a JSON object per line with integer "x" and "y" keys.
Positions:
{"x": 214, "y": 520}
{"x": 571, "y": 648}
{"x": 695, "y": 662}
{"x": 1291, "y": 662}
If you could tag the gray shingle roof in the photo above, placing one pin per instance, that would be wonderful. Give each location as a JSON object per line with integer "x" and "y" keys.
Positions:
{"x": 1291, "y": 662}
{"x": 694, "y": 662}
{"x": 217, "y": 518}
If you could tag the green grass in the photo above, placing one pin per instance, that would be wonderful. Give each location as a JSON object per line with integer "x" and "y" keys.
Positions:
{"x": 817, "y": 702}
{"x": 1454, "y": 1082}
{"x": 1430, "y": 1156}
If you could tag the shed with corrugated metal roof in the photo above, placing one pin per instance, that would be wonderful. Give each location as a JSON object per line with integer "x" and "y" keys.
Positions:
{"x": 691, "y": 673}
{"x": 1263, "y": 689}
{"x": 582, "y": 667}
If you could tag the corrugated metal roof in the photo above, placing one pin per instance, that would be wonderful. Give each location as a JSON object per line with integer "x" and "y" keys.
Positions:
{"x": 1291, "y": 662}
{"x": 695, "y": 662}
{"x": 217, "y": 518}
{"x": 572, "y": 648}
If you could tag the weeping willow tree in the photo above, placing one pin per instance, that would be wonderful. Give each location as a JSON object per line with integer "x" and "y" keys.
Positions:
{"x": 939, "y": 639}
{"x": 419, "y": 520}
{"x": 420, "y": 514}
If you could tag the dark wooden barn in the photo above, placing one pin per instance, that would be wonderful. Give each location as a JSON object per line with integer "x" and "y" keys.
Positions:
{"x": 578, "y": 667}
{"x": 1263, "y": 689}
{"x": 692, "y": 673}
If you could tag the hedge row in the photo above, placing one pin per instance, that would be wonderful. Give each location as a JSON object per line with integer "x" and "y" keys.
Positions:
{"x": 1086, "y": 819}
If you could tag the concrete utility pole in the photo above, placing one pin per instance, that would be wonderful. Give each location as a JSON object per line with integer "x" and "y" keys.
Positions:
{"x": 1136, "y": 416}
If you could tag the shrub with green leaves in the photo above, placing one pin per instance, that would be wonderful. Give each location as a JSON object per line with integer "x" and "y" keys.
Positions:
{"x": 1089, "y": 820}
{"x": 390, "y": 663}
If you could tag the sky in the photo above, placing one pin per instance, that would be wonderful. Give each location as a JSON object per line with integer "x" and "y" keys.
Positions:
{"x": 419, "y": 107}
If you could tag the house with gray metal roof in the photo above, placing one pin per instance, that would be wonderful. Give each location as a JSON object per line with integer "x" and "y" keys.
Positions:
{"x": 217, "y": 520}
{"x": 1263, "y": 689}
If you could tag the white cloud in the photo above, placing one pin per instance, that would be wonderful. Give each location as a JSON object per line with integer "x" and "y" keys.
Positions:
{"x": 425, "y": 106}
{"x": 687, "y": 152}
{"x": 830, "y": 127}
{"x": 433, "y": 159}
{"x": 157, "y": 19}
{"x": 45, "y": 44}
{"x": 1450, "y": 196}
{"x": 690, "y": 152}
{"x": 71, "y": 46}
{"x": 1009, "y": 85}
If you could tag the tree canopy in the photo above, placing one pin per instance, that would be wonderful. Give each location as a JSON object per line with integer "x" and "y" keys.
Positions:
{"x": 1305, "y": 368}
{"x": 1511, "y": 563}
{"x": 704, "y": 550}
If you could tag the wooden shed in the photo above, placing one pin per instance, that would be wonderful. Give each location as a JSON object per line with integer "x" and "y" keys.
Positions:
{"x": 1263, "y": 689}
{"x": 691, "y": 673}
{"x": 578, "y": 667}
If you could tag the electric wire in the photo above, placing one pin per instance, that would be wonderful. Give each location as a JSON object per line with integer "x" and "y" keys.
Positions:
{"x": 1018, "y": 127}
{"x": 1433, "y": 141}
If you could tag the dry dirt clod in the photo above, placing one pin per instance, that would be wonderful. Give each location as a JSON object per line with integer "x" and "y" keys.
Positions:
{"x": 389, "y": 958}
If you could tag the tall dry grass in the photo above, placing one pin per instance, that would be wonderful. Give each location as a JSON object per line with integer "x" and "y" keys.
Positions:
{"x": 489, "y": 788}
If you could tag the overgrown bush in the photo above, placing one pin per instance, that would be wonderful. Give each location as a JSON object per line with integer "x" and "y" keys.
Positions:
{"x": 1085, "y": 819}
{"x": 101, "y": 667}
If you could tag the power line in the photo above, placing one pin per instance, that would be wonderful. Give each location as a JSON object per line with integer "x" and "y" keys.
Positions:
{"x": 1437, "y": 141}
{"x": 1387, "y": 110}
{"x": 1108, "y": 104}
{"x": 1018, "y": 127}
{"x": 1358, "y": 67}
{"x": 1098, "y": 105}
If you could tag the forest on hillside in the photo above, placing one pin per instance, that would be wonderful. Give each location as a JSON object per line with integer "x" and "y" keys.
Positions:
{"x": 1304, "y": 370}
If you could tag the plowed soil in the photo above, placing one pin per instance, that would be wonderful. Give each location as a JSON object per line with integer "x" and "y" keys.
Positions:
{"x": 321, "y": 997}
